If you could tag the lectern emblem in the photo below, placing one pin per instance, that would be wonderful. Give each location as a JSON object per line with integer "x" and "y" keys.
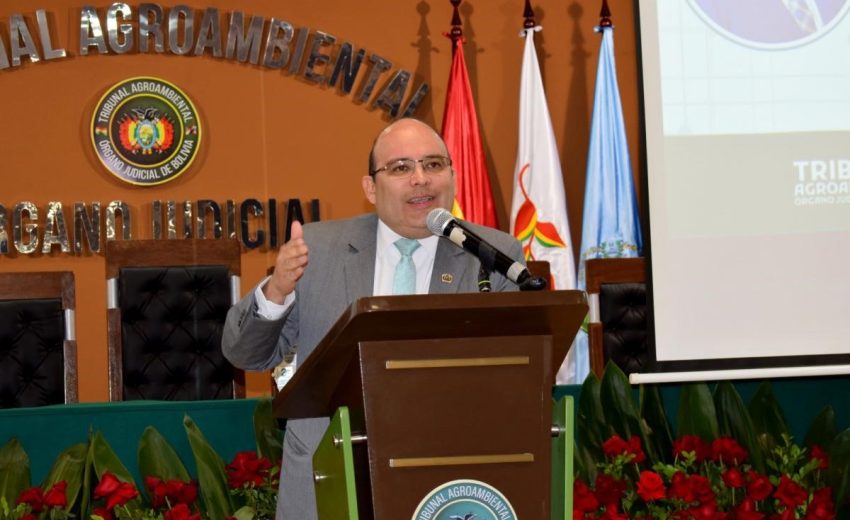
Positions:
{"x": 464, "y": 500}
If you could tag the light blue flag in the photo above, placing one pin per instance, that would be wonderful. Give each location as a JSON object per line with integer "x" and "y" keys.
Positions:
{"x": 611, "y": 225}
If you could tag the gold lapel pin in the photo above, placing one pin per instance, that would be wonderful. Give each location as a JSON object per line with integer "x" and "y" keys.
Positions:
{"x": 446, "y": 278}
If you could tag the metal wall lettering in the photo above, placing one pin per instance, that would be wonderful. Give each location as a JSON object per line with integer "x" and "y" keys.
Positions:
{"x": 391, "y": 97}
{"x": 240, "y": 43}
{"x": 4, "y": 61}
{"x": 4, "y": 235}
{"x": 231, "y": 219}
{"x": 209, "y": 37}
{"x": 316, "y": 58}
{"x": 347, "y": 66}
{"x": 255, "y": 207}
{"x": 272, "y": 210}
{"x": 156, "y": 220}
{"x": 188, "y": 16}
{"x": 150, "y": 24}
{"x": 91, "y": 33}
{"x": 55, "y": 232}
{"x": 277, "y": 43}
{"x": 171, "y": 219}
{"x": 417, "y": 97}
{"x": 86, "y": 226}
{"x": 187, "y": 219}
{"x": 379, "y": 66}
{"x": 113, "y": 28}
{"x": 300, "y": 43}
{"x": 21, "y": 42}
{"x": 324, "y": 61}
{"x": 112, "y": 209}
{"x": 46, "y": 42}
{"x": 28, "y": 245}
{"x": 211, "y": 207}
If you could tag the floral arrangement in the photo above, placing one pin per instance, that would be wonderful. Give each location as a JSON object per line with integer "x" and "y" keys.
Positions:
{"x": 729, "y": 461}
{"x": 89, "y": 481}
{"x": 706, "y": 480}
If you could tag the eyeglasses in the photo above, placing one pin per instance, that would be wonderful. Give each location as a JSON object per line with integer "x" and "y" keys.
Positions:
{"x": 400, "y": 168}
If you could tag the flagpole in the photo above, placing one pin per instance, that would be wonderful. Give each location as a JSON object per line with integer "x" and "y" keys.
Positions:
{"x": 605, "y": 15}
{"x": 456, "y": 33}
{"x": 528, "y": 14}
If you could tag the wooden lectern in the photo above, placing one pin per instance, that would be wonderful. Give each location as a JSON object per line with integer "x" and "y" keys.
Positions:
{"x": 430, "y": 389}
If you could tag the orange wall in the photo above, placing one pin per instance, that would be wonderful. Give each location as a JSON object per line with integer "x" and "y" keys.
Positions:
{"x": 269, "y": 134}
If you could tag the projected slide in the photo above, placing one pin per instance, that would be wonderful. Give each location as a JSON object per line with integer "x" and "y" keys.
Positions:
{"x": 748, "y": 151}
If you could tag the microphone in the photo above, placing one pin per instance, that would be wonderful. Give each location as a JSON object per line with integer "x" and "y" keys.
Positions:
{"x": 441, "y": 223}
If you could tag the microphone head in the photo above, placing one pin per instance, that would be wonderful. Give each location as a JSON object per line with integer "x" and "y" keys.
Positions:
{"x": 437, "y": 220}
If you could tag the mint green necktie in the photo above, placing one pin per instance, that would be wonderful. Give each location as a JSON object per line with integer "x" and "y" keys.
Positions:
{"x": 404, "y": 280}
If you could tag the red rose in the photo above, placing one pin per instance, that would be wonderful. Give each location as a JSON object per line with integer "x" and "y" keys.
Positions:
{"x": 691, "y": 443}
{"x": 29, "y": 516}
{"x": 609, "y": 490}
{"x": 247, "y": 468}
{"x": 734, "y": 478}
{"x": 788, "y": 514}
{"x": 818, "y": 453}
{"x": 759, "y": 486}
{"x": 612, "y": 513}
{"x": 583, "y": 499}
{"x": 158, "y": 491}
{"x": 108, "y": 484}
{"x": 55, "y": 496}
{"x": 103, "y": 512}
{"x": 701, "y": 488}
{"x": 634, "y": 447}
{"x": 728, "y": 451}
{"x": 790, "y": 493}
{"x": 747, "y": 510}
{"x": 821, "y": 505}
{"x": 115, "y": 492}
{"x": 650, "y": 486}
{"x": 181, "y": 512}
{"x": 186, "y": 492}
{"x": 614, "y": 446}
{"x": 681, "y": 488}
{"x": 34, "y": 498}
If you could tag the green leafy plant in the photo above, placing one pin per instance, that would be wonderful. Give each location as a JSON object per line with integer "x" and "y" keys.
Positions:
{"x": 95, "y": 483}
{"x": 729, "y": 461}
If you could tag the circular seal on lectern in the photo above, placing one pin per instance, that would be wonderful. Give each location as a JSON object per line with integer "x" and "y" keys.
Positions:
{"x": 145, "y": 131}
{"x": 464, "y": 500}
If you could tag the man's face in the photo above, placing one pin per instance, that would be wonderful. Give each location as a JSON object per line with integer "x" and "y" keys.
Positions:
{"x": 403, "y": 203}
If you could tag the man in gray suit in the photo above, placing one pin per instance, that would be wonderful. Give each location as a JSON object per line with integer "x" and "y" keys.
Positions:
{"x": 328, "y": 265}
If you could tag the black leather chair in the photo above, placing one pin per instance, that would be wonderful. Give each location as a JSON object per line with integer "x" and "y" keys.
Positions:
{"x": 617, "y": 328}
{"x": 167, "y": 303}
{"x": 38, "y": 350}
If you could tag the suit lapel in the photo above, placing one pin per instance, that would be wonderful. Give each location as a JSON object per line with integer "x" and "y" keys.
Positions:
{"x": 450, "y": 268}
{"x": 358, "y": 256}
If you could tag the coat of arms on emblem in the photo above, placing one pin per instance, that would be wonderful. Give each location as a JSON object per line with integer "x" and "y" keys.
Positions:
{"x": 146, "y": 131}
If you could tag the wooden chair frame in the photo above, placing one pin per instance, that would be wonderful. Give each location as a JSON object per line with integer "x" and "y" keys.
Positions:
{"x": 46, "y": 285}
{"x": 599, "y": 271}
{"x": 171, "y": 253}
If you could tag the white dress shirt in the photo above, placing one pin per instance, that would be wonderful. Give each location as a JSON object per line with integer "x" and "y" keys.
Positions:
{"x": 387, "y": 256}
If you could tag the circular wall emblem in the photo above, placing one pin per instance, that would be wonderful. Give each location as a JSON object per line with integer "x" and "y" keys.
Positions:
{"x": 146, "y": 131}
{"x": 778, "y": 24}
{"x": 464, "y": 500}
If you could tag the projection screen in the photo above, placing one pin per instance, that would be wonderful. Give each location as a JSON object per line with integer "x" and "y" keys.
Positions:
{"x": 747, "y": 131}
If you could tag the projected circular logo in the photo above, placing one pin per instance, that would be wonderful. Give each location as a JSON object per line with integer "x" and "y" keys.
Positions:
{"x": 774, "y": 24}
{"x": 464, "y": 500}
{"x": 145, "y": 131}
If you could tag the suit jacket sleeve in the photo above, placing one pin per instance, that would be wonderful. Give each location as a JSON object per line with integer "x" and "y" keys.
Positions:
{"x": 252, "y": 342}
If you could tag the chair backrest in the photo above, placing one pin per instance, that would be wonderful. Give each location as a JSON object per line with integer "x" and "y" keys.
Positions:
{"x": 38, "y": 349}
{"x": 167, "y": 303}
{"x": 617, "y": 326}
